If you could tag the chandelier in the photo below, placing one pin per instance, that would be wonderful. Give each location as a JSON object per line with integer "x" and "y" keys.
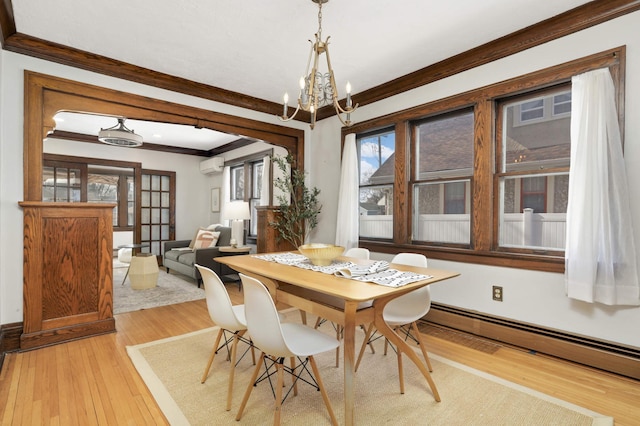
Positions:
{"x": 318, "y": 89}
{"x": 120, "y": 135}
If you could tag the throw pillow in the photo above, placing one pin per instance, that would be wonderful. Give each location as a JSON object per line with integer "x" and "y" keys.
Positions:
{"x": 193, "y": 241}
{"x": 205, "y": 239}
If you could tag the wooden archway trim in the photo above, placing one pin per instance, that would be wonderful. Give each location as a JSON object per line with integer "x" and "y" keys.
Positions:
{"x": 46, "y": 95}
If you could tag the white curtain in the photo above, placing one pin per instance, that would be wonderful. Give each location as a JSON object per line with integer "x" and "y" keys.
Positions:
{"x": 600, "y": 256}
{"x": 226, "y": 195}
{"x": 265, "y": 189}
{"x": 348, "y": 205}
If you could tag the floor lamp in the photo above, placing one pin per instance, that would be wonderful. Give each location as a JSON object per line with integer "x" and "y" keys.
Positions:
{"x": 237, "y": 212}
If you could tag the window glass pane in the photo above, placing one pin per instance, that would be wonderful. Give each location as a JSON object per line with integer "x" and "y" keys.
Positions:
{"x": 155, "y": 199}
{"x": 164, "y": 231}
{"x": 441, "y": 212}
{"x": 445, "y": 146}
{"x": 155, "y": 183}
{"x": 537, "y": 220}
{"x": 146, "y": 182}
{"x": 145, "y": 216}
{"x": 533, "y": 204}
{"x": 376, "y": 154}
{"x": 131, "y": 196}
{"x": 165, "y": 183}
{"x": 130, "y": 213}
{"x": 155, "y": 215}
{"x": 237, "y": 183}
{"x": 146, "y": 199}
{"x": 155, "y": 232}
{"x": 257, "y": 180}
{"x": 444, "y": 150}
{"x": 145, "y": 232}
{"x": 102, "y": 188}
{"x": 536, "y": 145}
{"x": 377, "y": 163}
{"x": 164, "y": 215}
{"x": 155, "y": 248}
{"x": 376, "y": 212}
{"x": 165, "y": 199}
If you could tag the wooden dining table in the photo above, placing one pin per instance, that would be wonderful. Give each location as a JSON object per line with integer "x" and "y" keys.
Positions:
{"x": 296, "y": 287}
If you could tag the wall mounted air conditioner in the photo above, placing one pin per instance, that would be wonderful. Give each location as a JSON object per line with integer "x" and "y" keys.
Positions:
{"x": 212, "y": 165}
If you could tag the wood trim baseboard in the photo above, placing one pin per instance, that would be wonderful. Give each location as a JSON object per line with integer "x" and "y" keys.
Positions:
{"x": 600, "y": 354}
{"x": 9, "y": 339}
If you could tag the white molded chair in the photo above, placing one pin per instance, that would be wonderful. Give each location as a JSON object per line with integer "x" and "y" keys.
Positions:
{"x": 405, "y": 310}
{"x": 124, "y": 256}
{"x": 359, "y": 253}
{"x": 229, "y": 318}
{"x": 279, "y": 341}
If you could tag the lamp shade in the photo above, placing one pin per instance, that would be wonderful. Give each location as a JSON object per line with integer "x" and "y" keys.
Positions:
{"x": 237, "y": 210}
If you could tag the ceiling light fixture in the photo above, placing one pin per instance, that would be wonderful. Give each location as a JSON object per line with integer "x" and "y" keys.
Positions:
{"x": 318, "y": 89}
{"x": 120, "y": 135}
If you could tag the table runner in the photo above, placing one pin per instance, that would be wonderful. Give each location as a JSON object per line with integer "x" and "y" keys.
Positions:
{"x": 378, "y": 272}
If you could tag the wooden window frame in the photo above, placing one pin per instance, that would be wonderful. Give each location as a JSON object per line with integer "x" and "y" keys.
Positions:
{"x": 484, "y": 207}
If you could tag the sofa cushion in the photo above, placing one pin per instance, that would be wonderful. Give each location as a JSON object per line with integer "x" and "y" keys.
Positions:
{"x": 187, "y": 258}
{"x": 225, "y": 236}
{"x": 205, "y": 239}
{"x": 175, "y": 254}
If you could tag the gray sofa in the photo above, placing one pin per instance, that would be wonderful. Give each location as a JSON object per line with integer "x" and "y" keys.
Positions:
{"x": 184, "y": 261}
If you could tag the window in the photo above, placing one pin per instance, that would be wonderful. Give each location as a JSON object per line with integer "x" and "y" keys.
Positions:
{"x": 479, "y": 177}
{"x": 533, "y": 170}
{"x": 443, "y": 163}
{"x": 70, "y": 181}
{"x": 246, "y": 184}
{"x": 376, "y": 169}
{"x": 61, "y": 182}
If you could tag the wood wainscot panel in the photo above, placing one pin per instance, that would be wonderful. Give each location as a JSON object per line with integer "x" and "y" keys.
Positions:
{"x": 68, "y": 272}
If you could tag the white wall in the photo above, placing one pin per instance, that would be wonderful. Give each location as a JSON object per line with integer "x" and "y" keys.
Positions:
{"x": 533, "y": 297}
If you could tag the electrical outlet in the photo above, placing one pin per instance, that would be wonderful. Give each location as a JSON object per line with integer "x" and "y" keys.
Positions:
{"x": 497, "y": 293}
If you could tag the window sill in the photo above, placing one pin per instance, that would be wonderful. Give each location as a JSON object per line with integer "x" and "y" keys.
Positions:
{"x": 492, "y": 258}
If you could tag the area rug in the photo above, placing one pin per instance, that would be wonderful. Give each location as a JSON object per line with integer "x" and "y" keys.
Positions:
{"x": 172, "y": 368}
{"x": 171, "y": 289}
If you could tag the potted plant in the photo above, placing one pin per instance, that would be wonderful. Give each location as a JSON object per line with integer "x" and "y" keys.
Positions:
{"x": 299, "y": 207}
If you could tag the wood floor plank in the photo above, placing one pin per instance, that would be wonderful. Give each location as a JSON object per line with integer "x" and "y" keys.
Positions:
{"x": 92, "y": 381}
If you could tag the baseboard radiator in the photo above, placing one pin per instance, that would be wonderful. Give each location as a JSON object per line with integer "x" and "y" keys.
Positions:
{"x": 607, "y": 356}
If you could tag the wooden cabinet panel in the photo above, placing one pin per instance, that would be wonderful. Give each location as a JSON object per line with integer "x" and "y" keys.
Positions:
{"x": 267, "y": 235}
{"x": 68, "y": 272}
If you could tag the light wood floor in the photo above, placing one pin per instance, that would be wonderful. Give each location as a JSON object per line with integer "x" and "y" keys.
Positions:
{"x": 92, "y": 381}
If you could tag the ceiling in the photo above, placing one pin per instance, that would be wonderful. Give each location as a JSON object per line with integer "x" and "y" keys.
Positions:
{"x": 260, "y": 49}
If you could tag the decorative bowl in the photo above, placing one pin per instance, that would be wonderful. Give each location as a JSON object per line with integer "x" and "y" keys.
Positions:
{"x": 321, "y": 254}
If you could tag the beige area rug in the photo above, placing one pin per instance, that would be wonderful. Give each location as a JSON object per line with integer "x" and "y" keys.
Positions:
{"x": 172, "y": 368}
{"x": 171, "y": 289}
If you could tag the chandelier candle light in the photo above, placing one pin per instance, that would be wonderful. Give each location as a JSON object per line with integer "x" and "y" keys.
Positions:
{"x": 317, "y": 89}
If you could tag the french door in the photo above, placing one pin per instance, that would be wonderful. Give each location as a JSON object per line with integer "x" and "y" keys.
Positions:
{"x": 157, "y": 209}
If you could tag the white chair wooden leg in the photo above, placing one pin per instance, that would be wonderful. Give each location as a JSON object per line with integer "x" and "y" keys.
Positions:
{"x": 279, "y": 385}
{"x": 247, "y": 393}
{"x": 323, "y": 391}
{"x": 232, "y": 369}
{"x": 213, "y": 355}
{"x": 400, "y": 372}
